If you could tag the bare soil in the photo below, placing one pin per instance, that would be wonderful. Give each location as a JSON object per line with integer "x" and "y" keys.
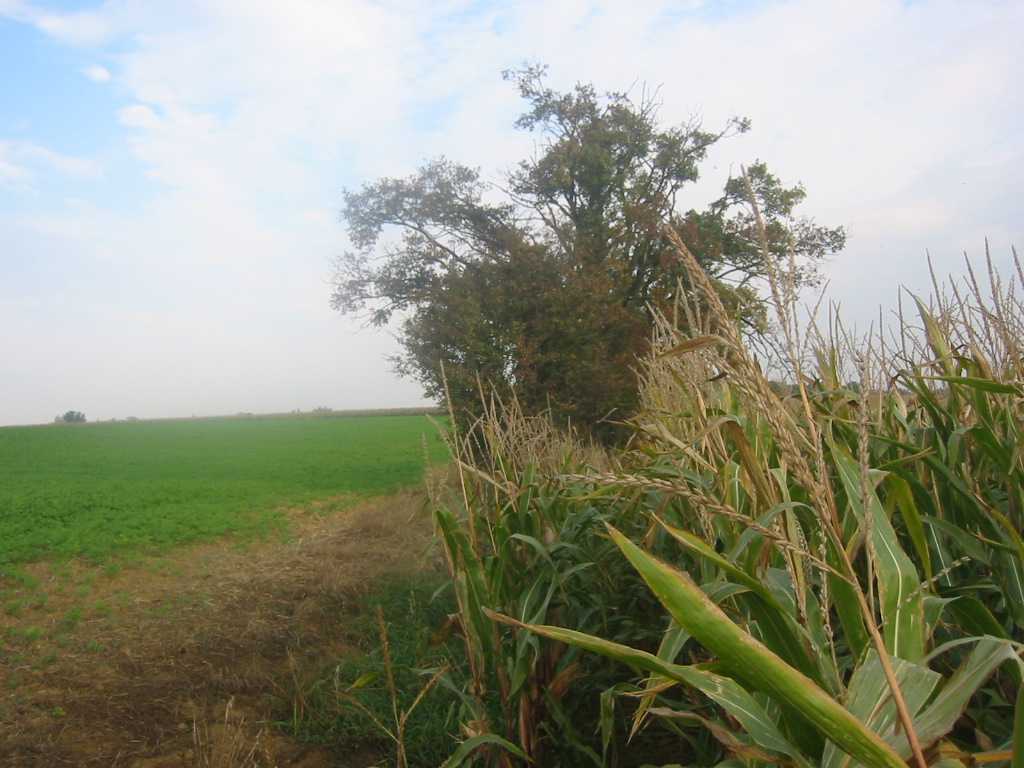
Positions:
{"x": 189, "y": 659}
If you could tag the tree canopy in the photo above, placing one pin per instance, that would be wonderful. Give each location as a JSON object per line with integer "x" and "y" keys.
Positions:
{"x": 545, "y": 284}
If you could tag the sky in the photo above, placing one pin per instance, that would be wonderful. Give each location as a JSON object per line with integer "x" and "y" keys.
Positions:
{"x": 171, "y": 171}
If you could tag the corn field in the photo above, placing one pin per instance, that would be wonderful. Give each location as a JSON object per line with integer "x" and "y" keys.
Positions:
{"x": 821, "y": 565}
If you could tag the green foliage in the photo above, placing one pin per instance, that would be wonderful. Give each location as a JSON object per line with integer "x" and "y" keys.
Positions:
{"x": 545, "y": 284}
{"x": 726, "y": 237}
{"x": 396, "y": 671}
{"x": 113, "y": 488}
{"x": 836, "y": 573}
{"x": 523, "y": 543}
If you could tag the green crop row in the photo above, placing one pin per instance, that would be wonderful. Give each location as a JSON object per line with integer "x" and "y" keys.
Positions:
{"x": 97, "y": 489}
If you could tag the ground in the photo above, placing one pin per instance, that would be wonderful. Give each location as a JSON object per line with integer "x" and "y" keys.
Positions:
{"x": 193, "y": 658}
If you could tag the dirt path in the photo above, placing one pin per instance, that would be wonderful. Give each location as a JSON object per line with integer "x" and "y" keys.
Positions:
{"x": 188, "y": 659}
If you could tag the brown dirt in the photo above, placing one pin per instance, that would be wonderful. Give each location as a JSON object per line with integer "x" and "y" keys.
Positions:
{"x": 188, "y": 659}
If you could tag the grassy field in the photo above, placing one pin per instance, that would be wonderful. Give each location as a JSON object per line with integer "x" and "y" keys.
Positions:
{"x": 97, "y": 490}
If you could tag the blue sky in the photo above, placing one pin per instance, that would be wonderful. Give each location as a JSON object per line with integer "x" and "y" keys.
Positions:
{"x": 171, "y": 172}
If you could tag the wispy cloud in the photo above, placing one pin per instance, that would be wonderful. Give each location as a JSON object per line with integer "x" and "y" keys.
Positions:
{"x": 21, "y": 162}
{"x": 11, "y": 173}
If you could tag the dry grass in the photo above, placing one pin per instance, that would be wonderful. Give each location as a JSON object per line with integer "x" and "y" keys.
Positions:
{"x": 191, "y": 662}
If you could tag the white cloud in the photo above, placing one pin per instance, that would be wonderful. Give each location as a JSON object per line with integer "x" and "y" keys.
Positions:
{"x": 97, "y": 73}
{"x": 138, "y": 116}
{"x": 242, "y": 121}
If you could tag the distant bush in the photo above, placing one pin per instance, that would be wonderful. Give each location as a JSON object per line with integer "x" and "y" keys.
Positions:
{"x": 70, "y": 417}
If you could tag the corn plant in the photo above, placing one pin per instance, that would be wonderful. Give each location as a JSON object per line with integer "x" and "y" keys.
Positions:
{"x": 801, "y": 571}
{"x": 846, "y": 578}
{"x": 521, "y": 540}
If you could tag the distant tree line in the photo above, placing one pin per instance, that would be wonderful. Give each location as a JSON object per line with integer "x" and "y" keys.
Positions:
{"x": 70, "y": 417}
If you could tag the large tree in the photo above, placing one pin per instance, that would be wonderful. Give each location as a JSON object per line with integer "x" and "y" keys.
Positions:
{"x": 545, "y": 284}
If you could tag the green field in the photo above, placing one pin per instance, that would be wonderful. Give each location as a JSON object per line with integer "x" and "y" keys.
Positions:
{"x": 96, "y": 490}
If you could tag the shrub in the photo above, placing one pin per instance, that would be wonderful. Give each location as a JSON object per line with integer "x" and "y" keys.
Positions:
{"x": 70, "y": 417}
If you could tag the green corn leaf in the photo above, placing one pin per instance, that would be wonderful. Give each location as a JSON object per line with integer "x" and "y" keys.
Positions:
{"x": 974, "y": 617}
{"x": 971, "y": 614}
{"x": 722, "y": 690}
{"x": 469, "y": 746}
{"x": 522, "y": 663}
{"x": 869, "y": 699}
{"x": 901, "y": 494}
{"x": 845, "y": 601}
{"x": 672, "y": 643}
{"x": 716, "y": 632}
{"x": 774, "y": 621}
{"x": 1013, "y": 582}
{"x": 532, "y": 542}
{"x": 732, "y": 742}
{"x": 526, "y": 489}
{"x": 934, "y": 610}
{"x": 567, "y": 730}
{"x": 1018, "y": 731}
{"x": 607, "y": 717}
{"x": 533, "y": 605}
{"x": 936, "y": 338}
{"x": 998, "y": 453}
{"x": 985, "y": 385}
{"x": 470, "y": 581}
{"x": 1010, "y": 530}
{"x": 898, "y": 581}
{"x": 965, "y": 541}
{"x": 942, "y": 713}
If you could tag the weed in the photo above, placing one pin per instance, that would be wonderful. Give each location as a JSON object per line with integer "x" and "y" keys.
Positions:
{"x": 26, "y": 581}
{"x": 28, "y": 634}
{"x": 13, "y": 607}
{"x": 393, "y": 691}
{"x": 47, "y": 660}
{"x": 72, "y": 616}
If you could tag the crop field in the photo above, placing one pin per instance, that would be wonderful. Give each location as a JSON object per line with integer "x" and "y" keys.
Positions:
{"x": 99, "y": 490}
{"x": 117, "y": 646}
